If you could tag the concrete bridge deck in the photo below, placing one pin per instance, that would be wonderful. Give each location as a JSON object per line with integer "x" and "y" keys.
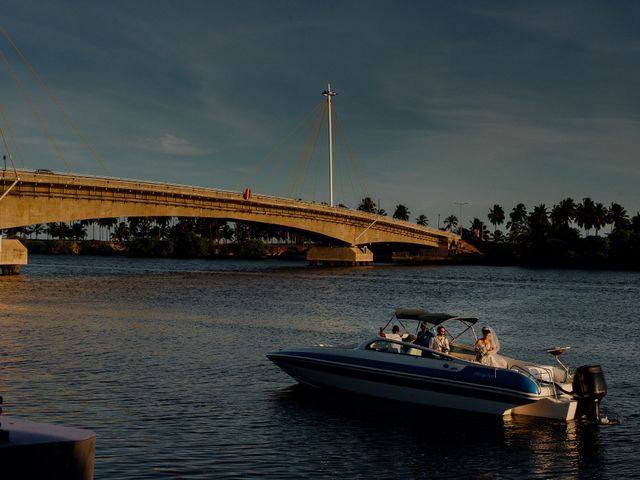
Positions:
{"x": 44, "y": 197}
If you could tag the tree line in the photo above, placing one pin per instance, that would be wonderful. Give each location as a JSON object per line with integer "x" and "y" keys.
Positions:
{"x": 185, "y": 237}
{"x": 543, "y": 236}
{"x": 547, "y": 236}
{"x": 567, "y": 234}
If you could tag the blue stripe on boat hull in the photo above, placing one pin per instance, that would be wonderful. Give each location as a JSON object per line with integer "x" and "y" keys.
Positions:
{"x": 464, "y": 387}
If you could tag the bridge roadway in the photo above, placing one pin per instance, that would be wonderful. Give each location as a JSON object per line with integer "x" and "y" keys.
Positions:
{"x": 44, "y": 197}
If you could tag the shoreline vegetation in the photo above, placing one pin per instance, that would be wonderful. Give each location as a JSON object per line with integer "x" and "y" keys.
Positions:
{"x": 559, "y": 237}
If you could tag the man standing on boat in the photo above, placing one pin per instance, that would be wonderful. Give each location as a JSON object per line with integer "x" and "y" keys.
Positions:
{"x": 395, "y": 333}
{"x": 424, "y": 336}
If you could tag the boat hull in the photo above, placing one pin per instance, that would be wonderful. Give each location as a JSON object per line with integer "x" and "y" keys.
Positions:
{"x": 557, "y": 408}
{"x": 416, "y": 380}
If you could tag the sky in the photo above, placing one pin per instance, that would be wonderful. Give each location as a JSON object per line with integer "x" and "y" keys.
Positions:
{"x": 439, "y": 103}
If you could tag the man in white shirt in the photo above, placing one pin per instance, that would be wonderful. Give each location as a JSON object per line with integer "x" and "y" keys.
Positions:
{"x": 395, "y": 333}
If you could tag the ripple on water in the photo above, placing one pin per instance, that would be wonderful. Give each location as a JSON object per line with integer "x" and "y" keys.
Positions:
{"x": 165, "y": 360}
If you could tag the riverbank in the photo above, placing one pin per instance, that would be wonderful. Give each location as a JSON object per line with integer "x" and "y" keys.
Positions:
{"x": 251, "y": 249}
{"x": 597, "y": 253}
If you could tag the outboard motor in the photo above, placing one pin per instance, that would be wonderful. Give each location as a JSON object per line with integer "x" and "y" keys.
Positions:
{"x": 589, "y": 388}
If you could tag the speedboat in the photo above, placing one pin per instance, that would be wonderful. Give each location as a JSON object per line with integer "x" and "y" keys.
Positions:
{"x": 395, "y": 368}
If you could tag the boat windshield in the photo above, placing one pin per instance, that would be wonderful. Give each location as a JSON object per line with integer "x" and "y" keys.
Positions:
{"x": 390, "y": 346}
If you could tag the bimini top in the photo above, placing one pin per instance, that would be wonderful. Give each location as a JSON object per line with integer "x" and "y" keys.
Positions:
{"x": 430, "y": 317}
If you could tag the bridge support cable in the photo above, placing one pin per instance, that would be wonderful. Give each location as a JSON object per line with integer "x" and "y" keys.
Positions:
{"x": 6, "y": 192}
{"x": 7, "y": 125}
{"x": 5, "y": 144}
{"x": 364, "y": 231}
{"x": 278, "y": 149}
{"x": 357, "y": 172}
{"x": 56, "y": 100}
{"x": 33, "y": 108}
{"x": 302, "y": 166}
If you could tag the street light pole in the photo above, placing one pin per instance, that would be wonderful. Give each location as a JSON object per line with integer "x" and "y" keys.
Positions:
{"x": 328, "y": 93}
{"x": 461, "y": 204}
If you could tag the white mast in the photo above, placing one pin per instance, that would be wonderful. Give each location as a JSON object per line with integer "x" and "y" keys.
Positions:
{"x": 328, "y": 93}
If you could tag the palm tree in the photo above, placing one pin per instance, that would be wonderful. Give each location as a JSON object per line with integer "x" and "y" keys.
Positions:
{"x": 50, "y": 230}
{"x": 586, "y": 214}
{"x": 601, "y": 214}
{"x": 635, "y": 223}
{"x": 37, "y": 229}
{"x": 563, "y": 213}
{"x": 517, "y": 223}
{"x": 78, "y": 231}
{"x": 498, "y": 236}
{"x": 85, "y": 223}
{"x": 450, "y": 223}
{"x": 139, "y": 226}
{"x": 422, "y": 220}
{"x": 367, "y": 205}
{"x": 107, "y": 223}
{"x": 401, "y": 212}
{"x": 479, "y": 229}
{"x": 496, "y": 216}
{"x": 61, "y": 230}
{"x": 121, "y": 232}
{"x": 618, "y": 217}
{"x": 539, "y": 221}
{"x": 163, "y": 226}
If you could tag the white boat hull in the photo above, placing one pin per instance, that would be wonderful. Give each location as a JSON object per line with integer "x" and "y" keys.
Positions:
{"x": 559, "y": 409}
{"x": 447, "y": 375}
{"x": 443, "y": 382}
{"x": 416, "y": 396}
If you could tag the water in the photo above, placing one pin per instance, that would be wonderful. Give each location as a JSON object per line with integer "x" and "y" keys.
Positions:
{"x": 165, "y": 360}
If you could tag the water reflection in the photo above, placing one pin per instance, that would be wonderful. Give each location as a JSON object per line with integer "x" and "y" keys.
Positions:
{"x": 419, "y": 442}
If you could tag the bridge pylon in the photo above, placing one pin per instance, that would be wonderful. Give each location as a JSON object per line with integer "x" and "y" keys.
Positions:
{"x": 340, "y": 256}
{"x": 12, "y": 255}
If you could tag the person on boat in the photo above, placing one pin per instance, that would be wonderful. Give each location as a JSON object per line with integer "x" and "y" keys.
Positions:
{"x": 439, "y": 343}
{"x": 487, "y": 349}
{"x": 424, "y": 336}
{"x": 395, "y": 333}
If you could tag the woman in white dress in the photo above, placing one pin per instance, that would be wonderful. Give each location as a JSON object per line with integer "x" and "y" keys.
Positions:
{"x": 487, "y": 349}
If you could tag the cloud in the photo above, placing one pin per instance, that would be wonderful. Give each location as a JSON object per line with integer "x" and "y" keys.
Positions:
{"x": 169, "y": 144}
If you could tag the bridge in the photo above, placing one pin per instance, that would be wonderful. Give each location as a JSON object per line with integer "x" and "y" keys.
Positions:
{"x": 37, "y": 197}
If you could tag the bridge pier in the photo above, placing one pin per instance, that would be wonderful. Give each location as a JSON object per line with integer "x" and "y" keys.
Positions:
{"x": 340, "y": 256}
{"x": 12, "y": 255}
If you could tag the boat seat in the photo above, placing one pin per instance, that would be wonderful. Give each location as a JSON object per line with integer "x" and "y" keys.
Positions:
{"x": 393, "y": 347}
{"x": 541, "y": 372}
